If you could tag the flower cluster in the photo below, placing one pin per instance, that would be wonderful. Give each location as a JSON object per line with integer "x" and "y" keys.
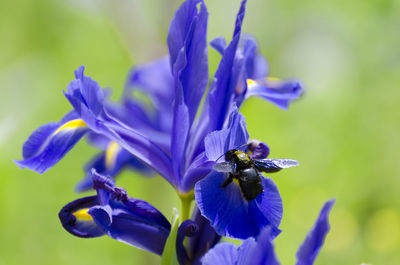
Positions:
{"x": 203, "y": 152}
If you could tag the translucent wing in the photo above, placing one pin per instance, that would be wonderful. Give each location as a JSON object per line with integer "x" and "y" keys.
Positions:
{"x": 224, "y": 166}
{"x": 274, "y": 165}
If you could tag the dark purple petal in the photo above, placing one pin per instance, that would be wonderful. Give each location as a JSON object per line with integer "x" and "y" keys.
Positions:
{"x": 221, "y": 254}
{"x": 75, "y": 219}
{"x": 133, "y": 222}
{"x": 231, "y": 214}
{"x": 312, "y": 244}
{"x": 202, "y": 241}
{"x": 257, "y": 149}
{"x": 279, "y": 92}
{"x": 187, "y": 229}
{"x": 51, "y": 142}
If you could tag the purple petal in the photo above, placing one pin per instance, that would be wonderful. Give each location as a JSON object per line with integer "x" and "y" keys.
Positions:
{"x": 279, "y": 92}
{"x": 187, "y": 229}
{"x": 259, "y": 252}
{"x": 155, "y": 80}
{"x": 187, "y": 44}
{"x": 231, "y": 214}
{"x": 51, "y": 142}
{"x": 133, "y": 222}
{"x": 221, "y": 254}
{"x": 98, "y": 121}
{"x": 256, "y": 64}
{"x": 258, "y": 150}
{"x": 75, "y": 219}
{"x": 219, "y": 44}
{"x": 219, "y": 97}
{"x": 250, "y": 252}
{"x": 312, "y": 244}
{"x": 202, "y": 241}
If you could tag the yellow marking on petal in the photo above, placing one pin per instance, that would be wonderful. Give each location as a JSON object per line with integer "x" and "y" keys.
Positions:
{"x": 270, "y": 78}
{"x": 83, "y": 215}
{"x": 251, "y": 82}
{"x": 72, "y": 124}
{"x": 111, "y": 154}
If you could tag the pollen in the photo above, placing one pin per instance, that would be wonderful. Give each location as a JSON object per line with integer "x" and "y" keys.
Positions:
{"x": 83, "y": 215}
{"x": 71, "y": 125}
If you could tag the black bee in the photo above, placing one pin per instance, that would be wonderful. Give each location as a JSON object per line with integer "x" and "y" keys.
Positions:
{"x": 247, "y": 171}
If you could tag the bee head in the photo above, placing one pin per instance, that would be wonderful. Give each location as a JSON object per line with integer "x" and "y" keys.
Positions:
{"x": 231, "y": 155}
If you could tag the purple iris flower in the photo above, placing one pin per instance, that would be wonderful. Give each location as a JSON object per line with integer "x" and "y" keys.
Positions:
{"x": 112, "y": 212}
{"x": 169, "y": 138}
{"x": 229, "y": 212}
{"x": 260, "y": 251}
{"x": 171, "y": 142}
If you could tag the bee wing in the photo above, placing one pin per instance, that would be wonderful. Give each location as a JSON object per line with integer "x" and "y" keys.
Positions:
{"x": 224, "y": 167}
{"x": 274, "y": 165}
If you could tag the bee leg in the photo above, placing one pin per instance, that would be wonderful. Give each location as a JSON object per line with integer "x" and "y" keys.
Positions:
{"x": 227, "y": 181}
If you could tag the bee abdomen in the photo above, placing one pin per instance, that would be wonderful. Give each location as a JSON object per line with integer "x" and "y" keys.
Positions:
{"x": 250, "y": 183}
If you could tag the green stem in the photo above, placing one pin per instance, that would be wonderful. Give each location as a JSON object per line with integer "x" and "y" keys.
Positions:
{"x": 186, "y": 203}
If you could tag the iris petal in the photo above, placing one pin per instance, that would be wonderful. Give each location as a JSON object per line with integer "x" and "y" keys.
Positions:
{"x": 278, "y": 92}
{"x": 222, "y": 254}
{"x": 51, "y": 142}
{"x": 77, "y": 221}
{"x": 231, "y": 214}
{"x": 312, "y": 244}
{"x": 136, "y": 226}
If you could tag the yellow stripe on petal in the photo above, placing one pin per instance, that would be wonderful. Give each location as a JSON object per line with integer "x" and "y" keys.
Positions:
{"x": 72, "y": 124}
{"x": 273, "y": 78}
{"x": 82, "y": 215}
{"x": 111, "y": 154}
{"x": 251, "y": 82}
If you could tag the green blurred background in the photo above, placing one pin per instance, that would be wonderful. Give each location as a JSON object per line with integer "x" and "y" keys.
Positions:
{"x": 344, "y": 130}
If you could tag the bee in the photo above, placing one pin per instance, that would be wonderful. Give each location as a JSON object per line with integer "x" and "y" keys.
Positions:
{"x": 247, "y": 171}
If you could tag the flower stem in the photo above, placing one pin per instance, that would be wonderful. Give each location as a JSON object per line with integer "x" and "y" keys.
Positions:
{"x": 186, "y": 203}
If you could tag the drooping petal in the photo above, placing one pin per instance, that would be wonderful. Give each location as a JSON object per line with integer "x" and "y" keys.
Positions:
{"x": 278, "y": 92}
{"x": 133, "y": 223}
{"x": 231, "y": 214}
{"x": 75, "y": 219}
{"x": 51, "y": 142}
{"x": 312, "y": 244}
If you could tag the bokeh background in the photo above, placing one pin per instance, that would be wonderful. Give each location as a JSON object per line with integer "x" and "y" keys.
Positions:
{"x": 345, "y": 130}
